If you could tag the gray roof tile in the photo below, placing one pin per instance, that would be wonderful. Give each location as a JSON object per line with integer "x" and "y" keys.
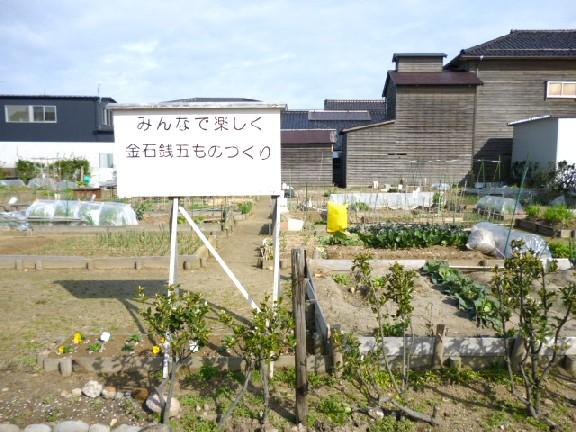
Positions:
{"x": 527, "y": 43}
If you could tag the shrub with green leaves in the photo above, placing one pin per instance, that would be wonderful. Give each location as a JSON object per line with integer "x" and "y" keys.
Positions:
{"x": 180, "y": 317}
{"x": 245, "y": 207}
{"x": 558, "y": 215}
{"x": 390, "y": 424}
{"x": 336, "y": 410}
{"x": 533, "y": 210}
{"x": 269, "y": 334}
{"x": 141, "y": 207}
{"x": 402, "y": 236}
{"x": 27, "y": 170}
{"x": 342, "y": 279}
{"x": 562, "y": 250}
{"x": 522, "y": 290}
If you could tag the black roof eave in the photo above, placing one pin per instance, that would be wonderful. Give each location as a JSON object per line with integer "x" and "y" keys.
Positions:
{"x": 388, "y": 79}
{"x": 467, "y": 57}
{"x": 9, "y": 96}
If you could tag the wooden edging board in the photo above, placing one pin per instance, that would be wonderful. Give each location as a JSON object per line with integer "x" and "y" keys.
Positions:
{"x": 44, "y": 262}
{"x": 544, "y": 229}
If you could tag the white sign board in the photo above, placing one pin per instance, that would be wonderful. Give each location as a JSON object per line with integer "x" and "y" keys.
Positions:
{"x": 197, "y": 149}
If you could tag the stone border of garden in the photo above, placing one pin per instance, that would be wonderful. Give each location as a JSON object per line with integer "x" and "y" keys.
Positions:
{"x": 473, "y": 352}
{"x": 78, "y": 426}
{"x": 101, "y": 364}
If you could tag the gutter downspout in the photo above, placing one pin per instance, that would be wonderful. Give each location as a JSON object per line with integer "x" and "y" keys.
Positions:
{"x": 475, "y": 113}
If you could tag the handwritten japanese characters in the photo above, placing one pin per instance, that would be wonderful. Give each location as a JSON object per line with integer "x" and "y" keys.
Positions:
{"x": 203, "y": 147}
{"x": 198, "y": 151}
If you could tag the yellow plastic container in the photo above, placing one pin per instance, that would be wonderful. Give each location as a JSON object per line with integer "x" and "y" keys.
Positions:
{"x": 337, "y": 217}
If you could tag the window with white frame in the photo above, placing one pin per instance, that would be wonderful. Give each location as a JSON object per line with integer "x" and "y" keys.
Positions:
{"x": 106, "y": 117}
{"x": 30, "y": 113}
{"x": 561, "y": 89}
{"x": 106, "y": 160}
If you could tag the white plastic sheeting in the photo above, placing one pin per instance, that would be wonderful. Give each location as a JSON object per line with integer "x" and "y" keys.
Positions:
{"x": 499, "y": 205}
{"x": 48, "y": 183}
{"x": 392, "y": 200}
{"x": 491, "y": 239}
{"x": 12, "y": 183}
{"x": 92, "y": 213}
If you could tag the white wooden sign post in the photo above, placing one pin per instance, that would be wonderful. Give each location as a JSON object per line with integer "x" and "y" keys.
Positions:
{"x": 199, "y": 149}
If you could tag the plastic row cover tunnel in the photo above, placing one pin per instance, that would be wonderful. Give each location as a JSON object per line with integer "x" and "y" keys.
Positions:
{"x": 492, "y": 239}
{"x": 499, "y": 205}
{"x": 89, "y": 212}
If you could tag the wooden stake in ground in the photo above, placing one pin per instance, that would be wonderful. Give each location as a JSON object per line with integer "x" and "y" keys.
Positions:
{"x": 438, "y": 354}
{"x": 299, "y": 293}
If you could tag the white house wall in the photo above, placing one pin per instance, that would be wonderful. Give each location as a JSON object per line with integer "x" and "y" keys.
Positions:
{"x": 10, "y": 152}
{"x": 567, "y": 140}
{"x": 536, "y": 141}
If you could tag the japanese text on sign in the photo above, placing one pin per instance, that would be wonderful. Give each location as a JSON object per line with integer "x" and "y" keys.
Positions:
{"x": 189, "y": 152}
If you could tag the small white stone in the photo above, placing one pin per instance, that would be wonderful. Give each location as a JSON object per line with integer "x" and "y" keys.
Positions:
{"x": 99, "y": 427}
{"x": 154, "y": 404}
{"x": 127, "y": 428}
{"x": 76, "y": 392}
{"x": 92, "y": 389}
{"x": 38, "y": 427}
{"x": 71, "y": 426}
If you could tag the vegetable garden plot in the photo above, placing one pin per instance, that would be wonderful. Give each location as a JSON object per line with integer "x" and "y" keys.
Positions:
{"x": 401, "y": 241}
{"x": 459, "y": 300}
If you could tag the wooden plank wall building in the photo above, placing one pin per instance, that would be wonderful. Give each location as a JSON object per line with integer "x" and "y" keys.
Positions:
{"x": 430, "y": 138}
{"x": 449, "y": 122}
{"x": 306, "y": 156}
{"x": 515, "y": 70}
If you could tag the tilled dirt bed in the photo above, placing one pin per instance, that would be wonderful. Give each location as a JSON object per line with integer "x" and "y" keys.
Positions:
{"x": 431, "y": 306}
{"x": 429, "y": 253}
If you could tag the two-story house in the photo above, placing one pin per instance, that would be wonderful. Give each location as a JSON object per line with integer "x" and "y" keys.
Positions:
{"x": 446, "y": 121}
{"x": 427, "y": 134}
{"x": 49, "y": 128}
{"x": 526, "y": 73}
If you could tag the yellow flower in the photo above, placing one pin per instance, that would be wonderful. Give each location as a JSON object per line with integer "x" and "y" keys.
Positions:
{"x": 61, "y": 349}
{"x": 156, "y": 350}
{"x": 78, "y": 338}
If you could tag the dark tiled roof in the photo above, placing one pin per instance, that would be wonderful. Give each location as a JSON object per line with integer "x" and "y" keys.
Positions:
{"x": 354, "y": 104}
{"x": 526, "y": 43}
{"x": 339, "y": 115}
{"x": 213, "y": 99}
{"x": 355, "y": 128}
{"x": 395, "y": 56}
{"x": 291, "y": 119}
{"x": 104, "y": 99}
{"x": 308, "y": 136}
{"x": 431, "y": 79}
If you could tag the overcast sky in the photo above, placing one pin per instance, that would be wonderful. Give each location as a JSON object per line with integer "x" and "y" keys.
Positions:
{"x": 291, "y": 51}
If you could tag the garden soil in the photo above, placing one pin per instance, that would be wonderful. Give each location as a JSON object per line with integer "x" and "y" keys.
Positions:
{"x": 40, "y": 309}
